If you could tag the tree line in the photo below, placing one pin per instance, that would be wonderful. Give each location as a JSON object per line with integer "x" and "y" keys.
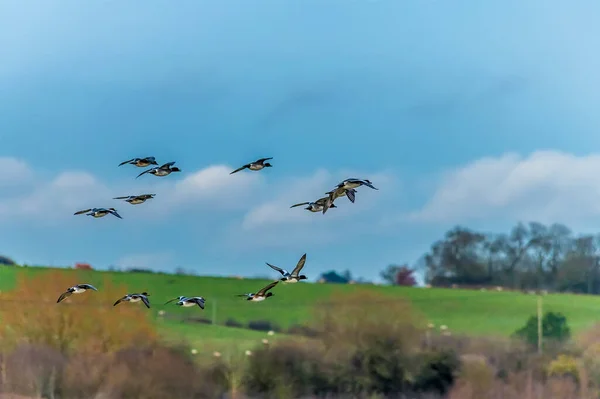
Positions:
{"x": 530, "y": 256}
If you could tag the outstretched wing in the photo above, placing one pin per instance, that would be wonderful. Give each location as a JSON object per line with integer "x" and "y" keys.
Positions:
{"x": 63, "y": 296}
{"x": 145, "y": 300}
{"x": 240, "y": 168}
{"x": 84, "y": 211}
{"x": 124, "y": 162}
{"x": 116, "y": 214}
{"x": 167, "y": 165}
{"x": 87, "y": 287}
{"x": 368, "y": 184}
{"x": 279, "y": 269}
{"x": 300, "y": 204}
{"x": 263, "y": 160}
{"x": 299, "y": 266}
{"x": 144, "y": 172}
{"x": 267, "y": 288}
{"x": 120, "y": 300}
{"x": 126, "y": 197}
{"x": 150, "y": 159}
{"x": 200, "y": 302}
{"x": 351, "y": 194}
{"x": 244, "y": 295}
{"x": 179, "y": 298}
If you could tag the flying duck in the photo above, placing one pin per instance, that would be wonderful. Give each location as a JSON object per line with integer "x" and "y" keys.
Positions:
{"x": 355, "y": 183}
{"x": 76, "y": 289}
{"x": 193, "y": 301}
{"x": 256, "y": 165}
{"x": 136, "y": 199}
{"x": 99, "y": 212}
{"x": 140, "y": 162}
{"x": 292, "y": 277}
{"x": 135, "y": 298}
{"x": 162, "y": 170}
{"x": 316, "y": 206}
{"x": 262, "y": 294}
{"x": 337, "y": 193}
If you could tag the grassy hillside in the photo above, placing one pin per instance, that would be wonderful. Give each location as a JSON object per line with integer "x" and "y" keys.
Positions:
{"x": 464, "y": 311}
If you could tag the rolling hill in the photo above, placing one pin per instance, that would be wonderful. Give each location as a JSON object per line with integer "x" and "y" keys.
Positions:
{"x": 463, "y": 311}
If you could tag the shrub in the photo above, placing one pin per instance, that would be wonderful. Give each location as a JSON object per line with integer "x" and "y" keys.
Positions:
{"x": 198, "y": 319}
{"x": 263, "y": 325}
{"x": 554, "y": 327}
{"x": 300, "y": 329}
{"x": 85, "y": 321}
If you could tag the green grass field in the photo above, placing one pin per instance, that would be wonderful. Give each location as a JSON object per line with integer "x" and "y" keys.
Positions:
{"x": 463, "y": 311}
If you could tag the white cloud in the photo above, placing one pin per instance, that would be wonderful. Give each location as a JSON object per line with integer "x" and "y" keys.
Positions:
{"x": 548, "y": 186}
{"x": 14, "y": 171}
{"x": 277, "y": 212}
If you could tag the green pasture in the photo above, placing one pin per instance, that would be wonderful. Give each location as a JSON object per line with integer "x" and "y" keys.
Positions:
{"x": 463, "y": 311}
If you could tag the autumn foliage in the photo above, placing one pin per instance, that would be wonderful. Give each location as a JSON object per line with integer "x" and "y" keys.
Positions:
{"x": 83, "y": 322}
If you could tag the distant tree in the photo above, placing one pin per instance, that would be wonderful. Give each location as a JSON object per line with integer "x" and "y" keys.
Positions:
{"x": 405, "y": 277}
{"x": 5, "y": 260}
{"x": 333, "y": 277}
{"x": 399, "y": 275}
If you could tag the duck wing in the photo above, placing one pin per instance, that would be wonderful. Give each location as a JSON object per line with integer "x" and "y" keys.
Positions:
{"x": 120, "y": 300}
{"x": 167, "y": 165}
{"x": 64, "y": 295}
{"x": 87, "y": 287}
{"x": 368, "y": 184}
{"x": 130, "y": 161}
{"x": 351, "y": 194}
{"x": 300, "y": 204}
{"x": 264, "y": 290}
{"x": 199, "y": 301}
{"x": 150, "y": 159}
{"x": 115, "y": 214}
{"x": 145, "y": 300}
{"x": 245, "y": 295}
{"x": 146, "y": 171}
{"x": 299, "y": 266}
{"x": 126, "y": 197}
{"x": 263, "y": 160}
{"x": 179, "y": 298}
{"x": 84, "y": 211}
{"x": 279, "y": 269}
{"x": 240, "y": 168}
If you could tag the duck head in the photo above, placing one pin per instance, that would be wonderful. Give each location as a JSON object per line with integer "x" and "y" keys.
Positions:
{"x": 302, "y": 277}
{"x": 153, "y": 162}
{"x": 269, "y": 294}
{"x": 268, "y": 165}
{"x": 145, "y": 293}
{"x": 175, "y": 169}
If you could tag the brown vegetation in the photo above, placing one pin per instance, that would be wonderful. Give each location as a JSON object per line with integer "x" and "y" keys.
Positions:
{"x": 87, "y": 321}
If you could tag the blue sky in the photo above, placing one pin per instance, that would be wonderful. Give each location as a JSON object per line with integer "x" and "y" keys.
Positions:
{"x": 478, "y": 113}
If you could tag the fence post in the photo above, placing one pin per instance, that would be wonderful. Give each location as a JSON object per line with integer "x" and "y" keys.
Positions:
{"x": 539, "y": 324}
{"x": 214, "y": 312}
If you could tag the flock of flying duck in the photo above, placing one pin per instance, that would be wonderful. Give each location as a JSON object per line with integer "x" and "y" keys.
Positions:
{"x": 346, "y": 188}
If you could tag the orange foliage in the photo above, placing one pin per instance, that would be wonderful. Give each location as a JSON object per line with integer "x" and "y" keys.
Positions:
{"x": 86, "y": 321}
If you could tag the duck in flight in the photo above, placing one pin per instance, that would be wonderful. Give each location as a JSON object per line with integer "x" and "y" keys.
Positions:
{"x": 162, "y": 170}
{"x": 259, "y": 164}
{"x": 262, "y": 294}
{"x": 140, "y": 162}
{"x": 99, "y": 212}
{"x": 355, "y": 183}
{"x": 337, "y": 193}
{"x": 135, "y": 298}
{"x": 316, "y": 206}
{"x": 186, "y": 302}
{"x": 76, "y": 289}
{"x": 294, "y": 276}
{"x": 136, "y": 199}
